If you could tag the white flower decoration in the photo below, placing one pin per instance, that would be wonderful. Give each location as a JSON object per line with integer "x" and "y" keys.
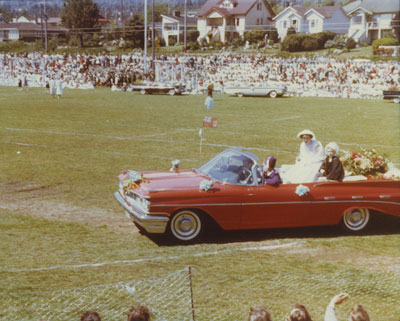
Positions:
{"x": 175, "y": 165}
{"x": 134, "y": 176}
{"x": 302, "y": 190}
{"x": 205, "y": 185}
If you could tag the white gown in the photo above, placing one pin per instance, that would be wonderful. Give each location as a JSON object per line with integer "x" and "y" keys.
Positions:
{"x": 307, "y": 164}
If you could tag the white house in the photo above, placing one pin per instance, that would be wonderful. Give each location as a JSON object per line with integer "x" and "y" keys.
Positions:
{"x": 174, "y": 26}
{"x": 27, "y": 31}
{"x": 291, "y": 16}
{"x": 329, "y": 18}
{"x": 317, "y": 19}
{"x": 225, "y": 20}
{"x": 371, "y": 19}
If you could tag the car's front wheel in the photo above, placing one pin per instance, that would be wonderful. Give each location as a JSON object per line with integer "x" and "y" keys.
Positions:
{"x": 143, "y": 91}
{"x": 355, "y": 220}
{"x": 240, "y": 94}
{"x": 273, "y": 94}
{"x": 186, "y": 225}
{"x": 171, "y": 92}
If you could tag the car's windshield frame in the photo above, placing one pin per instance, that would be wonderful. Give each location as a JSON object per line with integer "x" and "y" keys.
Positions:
{"x": 222, "y": 168}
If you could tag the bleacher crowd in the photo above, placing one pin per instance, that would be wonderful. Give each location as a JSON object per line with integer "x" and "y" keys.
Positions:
{"x": 318, "y": 76}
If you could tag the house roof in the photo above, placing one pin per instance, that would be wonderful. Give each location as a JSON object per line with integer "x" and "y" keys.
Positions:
{"x": 327, "y": 11}
{"x": 241, "y": 8}
{"x": 181, "y": 19}
{"x": 373, "y": 6}
{"x": 300, "y": 10}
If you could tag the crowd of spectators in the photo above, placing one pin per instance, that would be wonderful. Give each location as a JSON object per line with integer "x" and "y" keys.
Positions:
{"x": 318, "y": 76}
{"x": 259, "y": 313}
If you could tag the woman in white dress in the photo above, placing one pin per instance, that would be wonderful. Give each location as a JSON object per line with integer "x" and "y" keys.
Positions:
{"x": 308, "y": 162}
{"x": 59, "y": 87}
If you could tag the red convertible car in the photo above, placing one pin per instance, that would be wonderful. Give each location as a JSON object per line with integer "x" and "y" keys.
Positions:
{"x": 229, "y": 189}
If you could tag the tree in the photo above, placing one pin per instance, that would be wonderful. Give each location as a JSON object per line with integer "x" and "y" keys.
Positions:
{"x": 81, "y": 16}
{"x": 291, "y": 31}
{"x": 273, "y": 35}
{"x": 6, "y": 14}
{"x": 135, "y": 32}
{"x": 350, "y": 44}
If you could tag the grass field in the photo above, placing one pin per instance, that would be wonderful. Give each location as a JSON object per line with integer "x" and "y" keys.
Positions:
{"x": 64, "y": 241}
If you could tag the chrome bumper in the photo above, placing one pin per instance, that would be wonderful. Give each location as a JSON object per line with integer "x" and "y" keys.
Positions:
{"x": 150, "y": 223}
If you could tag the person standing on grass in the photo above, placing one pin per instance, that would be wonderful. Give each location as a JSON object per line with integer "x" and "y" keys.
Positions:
{"x": 52, "y": 84}
{"x": 59, "y": 87}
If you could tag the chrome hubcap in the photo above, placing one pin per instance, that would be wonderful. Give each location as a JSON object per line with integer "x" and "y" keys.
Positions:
{"x": 356, "y": 219}
{"x": 186, "y": 225}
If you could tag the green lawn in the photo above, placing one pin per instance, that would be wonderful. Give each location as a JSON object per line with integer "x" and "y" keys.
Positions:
{"x": 66, "y": 246}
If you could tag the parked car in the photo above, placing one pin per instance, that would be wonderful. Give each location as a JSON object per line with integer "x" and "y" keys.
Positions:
{"x": 391, "y": 94}
{"x": 156, "y": 88}
{"x": 229, "y": 190}
{"x": 262, "y": 90}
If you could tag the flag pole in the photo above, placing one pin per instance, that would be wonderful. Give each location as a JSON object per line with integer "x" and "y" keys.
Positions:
{"x": 145, "y": 36}
{"x": 201, "y": 141}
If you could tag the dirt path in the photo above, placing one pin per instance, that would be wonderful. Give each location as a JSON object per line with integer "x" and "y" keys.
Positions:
{"x": 38, "y": 201}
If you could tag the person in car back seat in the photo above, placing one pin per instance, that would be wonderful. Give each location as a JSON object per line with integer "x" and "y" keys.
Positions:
{"x": 271, "y": 175}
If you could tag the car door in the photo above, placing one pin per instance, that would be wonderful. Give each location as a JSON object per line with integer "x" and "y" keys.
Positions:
{"x": 268, "y": 206}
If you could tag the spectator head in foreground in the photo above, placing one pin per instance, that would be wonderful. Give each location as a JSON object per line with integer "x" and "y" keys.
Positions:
{"x": 90, "y": 316}
{"x": 140, "y": 313}
{"x": 299, "y": 313}
{"x": 259, "y": 313}
{"x": 358, "y": 313}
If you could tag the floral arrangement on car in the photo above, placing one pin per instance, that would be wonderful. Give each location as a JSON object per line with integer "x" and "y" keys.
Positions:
{"x": 130, "y": 180}
{"x": 366, "y": 162}
{"x": 206, "y": 184}
{"x": 302, "y": 190}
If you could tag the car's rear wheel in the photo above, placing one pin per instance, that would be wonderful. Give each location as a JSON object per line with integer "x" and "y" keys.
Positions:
{"x": 273, "y": 94}
{"x": 171, "y": 92}
{"x": 240, "y": 94}
{"x": 143, "y": 91}
{"x": 186, "y": 226}
{"x": 355, "y": 220}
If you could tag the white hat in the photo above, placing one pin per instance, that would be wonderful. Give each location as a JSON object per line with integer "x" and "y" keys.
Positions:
{"x": 332, "y": 145}
{"x": 306, "y": 132}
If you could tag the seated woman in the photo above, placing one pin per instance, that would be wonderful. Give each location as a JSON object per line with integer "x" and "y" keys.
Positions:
{"x": 271, "y": 176}
{"x": 308, "y": 161}
{"x": 332, "y": 168}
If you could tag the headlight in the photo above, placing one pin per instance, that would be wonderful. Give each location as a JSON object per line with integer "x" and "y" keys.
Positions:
{"x": 138, "y": 201}
{"x": 145, "y": 204}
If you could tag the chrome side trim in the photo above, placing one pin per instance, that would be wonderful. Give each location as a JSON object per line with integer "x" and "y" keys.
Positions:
{"x": 385, "y": 196}
{"x": 151, "y": 224}
{"x": 276, "y": 203}
{"x": 358, "y": 197}
{"x": 329, "y": 198}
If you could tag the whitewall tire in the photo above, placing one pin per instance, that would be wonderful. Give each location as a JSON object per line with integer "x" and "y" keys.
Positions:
{"x": 356, "y": 220}
{"x": 186, "y": 226}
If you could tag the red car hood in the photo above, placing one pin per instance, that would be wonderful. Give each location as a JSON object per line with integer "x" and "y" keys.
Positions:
{"x": 170, "y": 181}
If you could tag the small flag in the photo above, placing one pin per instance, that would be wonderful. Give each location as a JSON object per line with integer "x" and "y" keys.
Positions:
{"x": 210, "y": 122}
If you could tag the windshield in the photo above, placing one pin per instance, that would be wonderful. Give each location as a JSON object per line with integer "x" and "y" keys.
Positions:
{"x": 232, "y": 166}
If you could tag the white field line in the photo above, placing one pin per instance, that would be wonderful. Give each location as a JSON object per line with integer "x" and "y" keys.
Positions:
{"x": 104, "y": 151}
{"x": 159, "y": 258}
{"x": 143, "y": 138}
{"x": 286, "y": 118}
